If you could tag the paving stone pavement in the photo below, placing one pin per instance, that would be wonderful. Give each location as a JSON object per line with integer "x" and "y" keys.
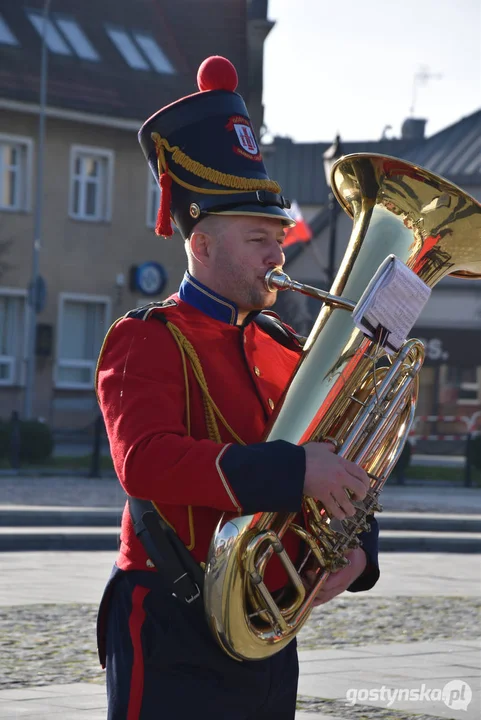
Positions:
{"x": 107, "y": 492}
{"x": 368, "y": 674}
{"x": 80, "y": 701}
{"x": 327, "y": 676}
{"x": 65, "y": 577}
{"x": 437, "y": 680}
{"x": 414, "y": 674}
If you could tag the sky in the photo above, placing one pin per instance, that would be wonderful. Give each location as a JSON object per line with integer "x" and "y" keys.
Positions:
{"x": 350, "y": 66}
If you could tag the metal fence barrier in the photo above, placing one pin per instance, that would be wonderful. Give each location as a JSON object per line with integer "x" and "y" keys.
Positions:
{"x": 94, "y": 437}
{"x": 470, "y": 429}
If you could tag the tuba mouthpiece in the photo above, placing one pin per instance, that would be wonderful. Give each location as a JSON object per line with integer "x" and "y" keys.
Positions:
{"x": 275, "y": 279}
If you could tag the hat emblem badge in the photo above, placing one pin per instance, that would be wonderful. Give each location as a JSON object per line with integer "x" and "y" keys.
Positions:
{"x": 247, "y": 146}
{"x": 246, "y": 138}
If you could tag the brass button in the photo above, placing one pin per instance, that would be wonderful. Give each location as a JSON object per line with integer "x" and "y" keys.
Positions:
{"x": 271, "y": 403}
{"x": 256, "y": 370}
{"x": 194, "y": 210}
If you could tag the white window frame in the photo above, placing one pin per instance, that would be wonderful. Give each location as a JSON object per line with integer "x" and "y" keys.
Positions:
{"x": 16, "y": 363}
{"x": 54, "y": 39}
{"x": 469, "y": 387}
{"x": 76, "y": 37}
{"x": 152, "y": 208}
{"x": 128, "y": 48}
{"x": 152, "y": 50}
{"x": 106, "y": 184}
{"x": 25, "y": 145}
{"x": 83, "y": 298}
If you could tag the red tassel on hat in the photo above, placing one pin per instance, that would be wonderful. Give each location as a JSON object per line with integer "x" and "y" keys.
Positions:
{"x": 164, "y": 226}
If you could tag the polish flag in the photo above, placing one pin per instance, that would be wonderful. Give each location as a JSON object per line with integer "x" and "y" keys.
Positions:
{"x": 301, "y": 232}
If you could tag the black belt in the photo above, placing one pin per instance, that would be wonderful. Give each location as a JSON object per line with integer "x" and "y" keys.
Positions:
{"x": 178, "y": 569}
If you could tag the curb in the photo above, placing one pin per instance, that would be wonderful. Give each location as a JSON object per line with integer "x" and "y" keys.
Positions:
{"x": 14, "y": 539}
{"x": 56, "y": 516}
{"x": 59, "y": 517}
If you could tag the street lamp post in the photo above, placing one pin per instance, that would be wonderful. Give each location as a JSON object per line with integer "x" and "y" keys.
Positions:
{"x": 333, "y": 153}
{"x": 33, "y": 289}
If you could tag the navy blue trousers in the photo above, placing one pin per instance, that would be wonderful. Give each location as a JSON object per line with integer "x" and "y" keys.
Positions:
{"x": 163, "y": 664}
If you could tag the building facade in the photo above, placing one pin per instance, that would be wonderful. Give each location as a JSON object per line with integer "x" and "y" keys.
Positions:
{"x": 108, "y": 70}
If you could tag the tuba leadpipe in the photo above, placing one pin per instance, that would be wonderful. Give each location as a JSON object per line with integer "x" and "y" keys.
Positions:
{"x": 276, "y": 279}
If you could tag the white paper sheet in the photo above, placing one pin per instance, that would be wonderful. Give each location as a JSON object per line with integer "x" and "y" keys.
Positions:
{"x": 394, "y": 299}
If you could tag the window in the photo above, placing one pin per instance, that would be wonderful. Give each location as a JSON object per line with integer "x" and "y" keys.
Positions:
{"x": 153, "y": 200}
{"x": 467, "y": 382}
{"x": 71, "y": 36}
{"x": 91, "y": 173}
{"x": 154, "y": 53}
{"x": 53, "y": 39}
{"x": 82, "y": 326}
{"x": 127, "y": 48}
{"x": 77, "y": 38}
{"x": 6, "y": 35}
{"x": 15, "y": 172}
{"x": 140, "y": 50}
{"x": 12, "y": 338}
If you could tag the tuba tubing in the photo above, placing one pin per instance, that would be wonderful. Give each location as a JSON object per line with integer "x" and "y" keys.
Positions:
{"x": 344, "y": 388}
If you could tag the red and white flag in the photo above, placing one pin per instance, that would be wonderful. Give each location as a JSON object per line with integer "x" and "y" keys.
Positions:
{"x": 301, "y": 232}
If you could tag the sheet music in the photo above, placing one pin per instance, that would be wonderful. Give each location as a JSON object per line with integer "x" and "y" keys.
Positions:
{"x": 394, "y": 299}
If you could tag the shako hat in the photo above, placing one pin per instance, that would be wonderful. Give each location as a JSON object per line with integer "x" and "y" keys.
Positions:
{"x": 205, "y": 156}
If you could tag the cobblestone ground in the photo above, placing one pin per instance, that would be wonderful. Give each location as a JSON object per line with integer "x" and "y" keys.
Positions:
{"x": 45, "y": 644}
{"x": 55, "y": 644}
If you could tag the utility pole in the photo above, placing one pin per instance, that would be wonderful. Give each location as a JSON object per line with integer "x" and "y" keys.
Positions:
{"x": 32, "y": 296}
{"x": 330, "y": 157}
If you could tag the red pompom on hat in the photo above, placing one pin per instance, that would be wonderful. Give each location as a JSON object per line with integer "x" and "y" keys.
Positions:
{"x": 217, "y": 73}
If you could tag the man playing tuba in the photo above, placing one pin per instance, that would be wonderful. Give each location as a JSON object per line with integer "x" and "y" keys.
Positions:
{"x": 186, "y": 388}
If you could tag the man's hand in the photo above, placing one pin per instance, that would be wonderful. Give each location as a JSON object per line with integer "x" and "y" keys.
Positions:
{"x": 339, "y": 581}
{"x": 332, "y": 480}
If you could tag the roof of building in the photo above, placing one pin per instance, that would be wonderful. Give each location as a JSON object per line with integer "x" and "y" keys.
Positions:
{"x": 454, "y": 153}
{"x": 120, "y": 58}
{"x": 299, "y": 167}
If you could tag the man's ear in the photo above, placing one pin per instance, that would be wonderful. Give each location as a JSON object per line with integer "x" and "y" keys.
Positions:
{"x": 201, "y": 244}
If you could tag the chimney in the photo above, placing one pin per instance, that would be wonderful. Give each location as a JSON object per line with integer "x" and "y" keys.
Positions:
{"x": 413, "y": 129}
{"x": 257, "y": 9}
{"x": 280, "y": 140}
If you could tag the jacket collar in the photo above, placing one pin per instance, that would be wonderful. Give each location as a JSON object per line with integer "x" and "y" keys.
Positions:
{"x": 209, "y": 302}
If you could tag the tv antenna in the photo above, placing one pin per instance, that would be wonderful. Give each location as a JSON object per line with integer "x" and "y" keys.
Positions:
{"x": 421, "y": 78}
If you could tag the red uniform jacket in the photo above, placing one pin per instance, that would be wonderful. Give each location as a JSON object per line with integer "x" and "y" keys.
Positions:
{"x": 147, "y": 407}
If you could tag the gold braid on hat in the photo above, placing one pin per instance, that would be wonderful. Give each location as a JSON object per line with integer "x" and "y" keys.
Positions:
{"x": 216, "y": 177}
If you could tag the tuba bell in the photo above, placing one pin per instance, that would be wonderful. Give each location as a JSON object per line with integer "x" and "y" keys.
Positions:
{"x": 345, "y": 388}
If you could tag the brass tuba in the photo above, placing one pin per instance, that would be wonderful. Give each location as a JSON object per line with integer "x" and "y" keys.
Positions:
{"x": 346, "y": 389}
